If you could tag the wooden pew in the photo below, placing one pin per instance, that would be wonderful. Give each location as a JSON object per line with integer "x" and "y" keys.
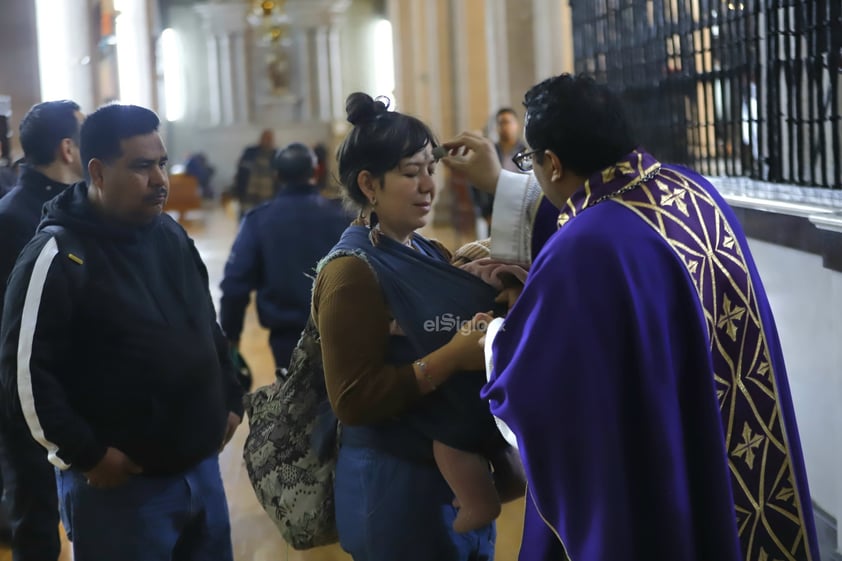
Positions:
{"x": 184, "y": 195}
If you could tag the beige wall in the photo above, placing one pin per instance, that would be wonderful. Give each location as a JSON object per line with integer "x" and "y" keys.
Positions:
{"x": 520, "y": 28}
{"x": 475, "y": 50}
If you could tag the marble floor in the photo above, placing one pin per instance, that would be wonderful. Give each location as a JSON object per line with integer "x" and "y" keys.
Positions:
{"x": 255, "y": 537}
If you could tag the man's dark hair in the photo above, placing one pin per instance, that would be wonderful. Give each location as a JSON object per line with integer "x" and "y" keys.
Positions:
{"x": 43, "y": 128}
{"x": 295, "y": 163}
{"x": 103, "y": 130}
{"x": 581, "y": 121}
{"x": 505, "y": 110}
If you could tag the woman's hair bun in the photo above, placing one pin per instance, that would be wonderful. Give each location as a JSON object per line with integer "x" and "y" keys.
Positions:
{"x": 361, "y": 108}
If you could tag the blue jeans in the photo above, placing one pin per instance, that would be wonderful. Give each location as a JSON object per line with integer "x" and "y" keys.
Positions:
{"x": 30, "y": 491}
{"x": 169, "y": 518}
{"x": 390, "y": 509}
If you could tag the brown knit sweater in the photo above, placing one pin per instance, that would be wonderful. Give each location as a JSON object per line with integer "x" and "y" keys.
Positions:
{"x": 354, "y": 324}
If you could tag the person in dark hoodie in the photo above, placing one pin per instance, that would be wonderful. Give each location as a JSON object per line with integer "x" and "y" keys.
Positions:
{"x": 111, "y": 351}
{"x": 276, "y": 251}
{"x": 49, "y": 135}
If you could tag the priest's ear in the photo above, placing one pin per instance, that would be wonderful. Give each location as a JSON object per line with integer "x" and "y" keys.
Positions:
{"x": 552, "y": 166}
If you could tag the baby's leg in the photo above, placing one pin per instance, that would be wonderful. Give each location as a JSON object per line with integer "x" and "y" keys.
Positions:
{"x": 471, "y": 483}
{"x": 509, "y": 477}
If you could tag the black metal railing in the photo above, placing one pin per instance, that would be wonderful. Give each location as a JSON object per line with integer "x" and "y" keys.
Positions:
{"x": 747, "y": 88}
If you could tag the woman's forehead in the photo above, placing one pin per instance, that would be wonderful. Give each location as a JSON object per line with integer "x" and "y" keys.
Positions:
{"x": 422, "y": 157}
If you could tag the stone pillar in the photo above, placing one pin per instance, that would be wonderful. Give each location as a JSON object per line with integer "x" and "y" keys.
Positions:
{"x": 335, "y": 68}
{"x": 497, "y": 52}
{"x": 322, "y": 64}
{"x": 226, "y": 28}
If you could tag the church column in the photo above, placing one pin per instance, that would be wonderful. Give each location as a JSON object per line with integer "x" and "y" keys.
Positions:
{"x": 335, "y": 68}
{"x": 227, "y": 55}
{"x": 317, "y": 57}
{"x": 497, "y": 53}
{"x": 322, "y": 51}
{"x": 214, "y": 83}
{"x": 239, "y": 55}
{"x": 302, "y": 39}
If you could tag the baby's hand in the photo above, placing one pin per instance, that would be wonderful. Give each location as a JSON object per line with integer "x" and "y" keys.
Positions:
{"x": 395, "y": 329}
{"x": 509, "y": 296}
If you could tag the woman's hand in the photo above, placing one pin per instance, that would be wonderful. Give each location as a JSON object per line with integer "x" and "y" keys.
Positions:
{"x": 466, "y": 344}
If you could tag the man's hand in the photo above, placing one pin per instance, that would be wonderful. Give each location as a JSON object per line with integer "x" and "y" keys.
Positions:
{"x": 475, "y": 157}
{"x": 114, "y": 469}
{"x": 234, "y": 421}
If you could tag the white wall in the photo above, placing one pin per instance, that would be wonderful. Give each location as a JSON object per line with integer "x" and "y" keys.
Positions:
{"x": 806, "y": 299}
{"x": 358, "y": 60}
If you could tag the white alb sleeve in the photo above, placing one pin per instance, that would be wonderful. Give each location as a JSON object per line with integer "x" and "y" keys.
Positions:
{"x": 490, "y": 334}
{"x": 516, "y": 203}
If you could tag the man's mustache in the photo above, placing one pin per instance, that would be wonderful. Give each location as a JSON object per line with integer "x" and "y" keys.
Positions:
{"x": 159, "y": 194}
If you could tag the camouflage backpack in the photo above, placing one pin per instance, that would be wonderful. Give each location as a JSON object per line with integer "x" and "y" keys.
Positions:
{"x": 290, "y": 452}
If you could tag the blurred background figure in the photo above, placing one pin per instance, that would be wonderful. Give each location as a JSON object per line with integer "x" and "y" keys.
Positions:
{"x": 508, "y": 144}
{"x": 255, "y": 180}
{"x": 320, "y": 176}
{"x": 198, "y": 166}
{"x": 8, "y": 171}
{"x": 276, "y": 251}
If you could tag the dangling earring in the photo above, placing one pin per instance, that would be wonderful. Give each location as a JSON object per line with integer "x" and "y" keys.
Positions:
{"x": 374, "y": 201}
{"x": 374, "y": 232}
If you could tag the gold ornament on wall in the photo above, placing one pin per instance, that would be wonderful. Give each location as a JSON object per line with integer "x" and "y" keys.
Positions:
{"x": 271, "y": 26}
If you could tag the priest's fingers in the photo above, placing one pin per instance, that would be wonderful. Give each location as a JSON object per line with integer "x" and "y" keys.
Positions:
{"x": 479, "y": 163}
{"x": 468, "y": 139}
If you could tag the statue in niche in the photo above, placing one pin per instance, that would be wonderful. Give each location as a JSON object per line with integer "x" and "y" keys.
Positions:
{"x": 277, "y": 69}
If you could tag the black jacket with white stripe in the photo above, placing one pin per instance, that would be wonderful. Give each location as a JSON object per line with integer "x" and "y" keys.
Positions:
{"x": 109, "y": 338}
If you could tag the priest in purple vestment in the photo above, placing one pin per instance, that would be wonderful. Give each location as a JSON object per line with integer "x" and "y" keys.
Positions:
{"x": 640, "y": 369}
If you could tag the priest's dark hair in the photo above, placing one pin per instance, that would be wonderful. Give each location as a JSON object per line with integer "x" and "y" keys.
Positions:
{"x": 581, "y": 121}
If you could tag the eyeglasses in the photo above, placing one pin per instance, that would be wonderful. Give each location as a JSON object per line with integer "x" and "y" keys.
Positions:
{"x": 523, "y": 160}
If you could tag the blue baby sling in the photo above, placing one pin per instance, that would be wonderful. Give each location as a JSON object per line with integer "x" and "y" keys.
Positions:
{"x": 430, "y": 300}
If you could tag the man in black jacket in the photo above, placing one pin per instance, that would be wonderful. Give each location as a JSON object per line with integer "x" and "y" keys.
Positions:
{"x": 49, "y": 135}
{"x": 276, "y": 252}
{"x": 111, "y": 350}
